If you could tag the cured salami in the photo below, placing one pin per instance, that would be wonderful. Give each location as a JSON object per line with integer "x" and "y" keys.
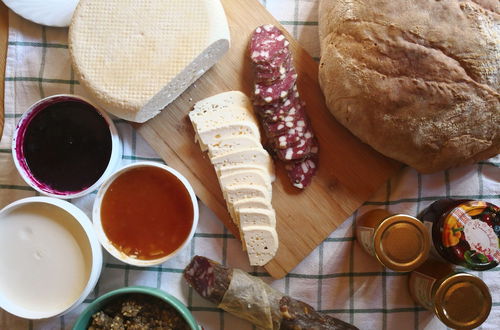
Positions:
{"x": 252, "y": 299}
{"x": 277, "y": 101}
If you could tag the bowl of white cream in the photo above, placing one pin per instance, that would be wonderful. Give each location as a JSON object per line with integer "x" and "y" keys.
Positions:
{"x": 50, "y": 257}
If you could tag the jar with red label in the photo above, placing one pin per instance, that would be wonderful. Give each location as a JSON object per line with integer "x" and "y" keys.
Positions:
{"x": 465, "y": 232}
{"x": 460, "y": 300}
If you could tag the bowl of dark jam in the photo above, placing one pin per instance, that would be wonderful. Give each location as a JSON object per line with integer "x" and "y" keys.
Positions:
{"x": 65, "y": 147}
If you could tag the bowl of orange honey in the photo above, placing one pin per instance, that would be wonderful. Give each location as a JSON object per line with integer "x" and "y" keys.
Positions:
{"x": 145, "y": 213}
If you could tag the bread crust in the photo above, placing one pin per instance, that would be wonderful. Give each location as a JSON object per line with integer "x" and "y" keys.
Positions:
{"x": 418, "y": 80}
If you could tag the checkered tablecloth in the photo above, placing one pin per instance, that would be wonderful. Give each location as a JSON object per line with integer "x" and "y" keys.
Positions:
{"x": 336, "y": 278}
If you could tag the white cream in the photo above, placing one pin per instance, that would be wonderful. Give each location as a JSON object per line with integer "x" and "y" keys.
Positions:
{"x": 45, "y": 258}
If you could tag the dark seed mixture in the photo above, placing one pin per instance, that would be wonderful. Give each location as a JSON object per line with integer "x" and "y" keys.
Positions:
{"x": 137, "y": 312}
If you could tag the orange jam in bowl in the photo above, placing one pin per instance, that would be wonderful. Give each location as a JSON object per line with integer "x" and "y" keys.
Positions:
{"x": 145, "y": 213}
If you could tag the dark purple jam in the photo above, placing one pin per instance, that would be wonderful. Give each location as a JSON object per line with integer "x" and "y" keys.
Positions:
{"x": 67, "y": 146}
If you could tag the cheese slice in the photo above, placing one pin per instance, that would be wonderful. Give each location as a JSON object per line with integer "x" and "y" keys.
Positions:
{"x": 135, "y": 57}
{"x": 252, "y": 203}
{"x": 222, "y": 101}
{"x": 239, "y": 192}
{"x": 252, "y": 156}
{"x": 261, "y": 243}
{"x": 255, "y": 217}
{"x": 236, "y": 168}
{"x": 215, "y": 135}
{"x": 246, "y": 177}
{"x": 232, "y": 144}
{"x": 218, "y": 116}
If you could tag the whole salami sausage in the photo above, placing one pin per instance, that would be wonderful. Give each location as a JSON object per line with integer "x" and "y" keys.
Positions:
{"x": 252, "y": 299}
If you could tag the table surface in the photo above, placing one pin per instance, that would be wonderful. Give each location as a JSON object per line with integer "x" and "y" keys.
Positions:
{"x": 4, "y": 27}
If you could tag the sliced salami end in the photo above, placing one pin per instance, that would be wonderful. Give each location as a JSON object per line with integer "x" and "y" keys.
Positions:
{"x": 267, "y": 43}
{"x": 302, "y": 172}
{"x": 208, "y": 278}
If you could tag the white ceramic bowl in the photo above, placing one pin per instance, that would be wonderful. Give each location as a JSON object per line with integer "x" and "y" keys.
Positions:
{"x": 20, "y": 161}
{"x": 73, "y": 231}
{"x": 96, "y": 215}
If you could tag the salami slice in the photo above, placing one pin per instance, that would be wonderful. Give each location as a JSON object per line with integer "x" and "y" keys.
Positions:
{"x": 282, "y": 126}
{"x": 270, "y": 72}
{"x": 298, "y": 151}
{"x": 252, "y": 299}
{"x": 208, "y": 278}
{"x": 302, "y": 172}
{"x": 267, "y": 43}
{"x": 295, "y": 110}
{"x": 268, "y": 111}
{"x": 278, "y": 90}
{"x": 291, "y": 138}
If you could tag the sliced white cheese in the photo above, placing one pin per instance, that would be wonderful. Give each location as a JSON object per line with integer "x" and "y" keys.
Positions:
{"x": 252, "y": 156}
{"x": 239, "y": 167}
{"x": 261, "y": 243}
{"x": 212, "y": 136}
{"x": 215, "y": 119}
{"x": 255, "y": 217}
{"x": 135, "y": 57}
{"x": 246, "y": 177}
{"x": 240, "y": 192}
{"x": 221, "y": 101}
{"x": 252, "y": 203}
{"x": 232, "y": 144}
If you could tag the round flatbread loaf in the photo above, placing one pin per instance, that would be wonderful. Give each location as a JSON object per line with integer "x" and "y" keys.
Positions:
{"x": 418, "y": 80}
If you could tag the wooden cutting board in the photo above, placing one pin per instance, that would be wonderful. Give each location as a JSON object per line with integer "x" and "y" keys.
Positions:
{"x": 4, "y": 29}
{"x": 349, "y": 171}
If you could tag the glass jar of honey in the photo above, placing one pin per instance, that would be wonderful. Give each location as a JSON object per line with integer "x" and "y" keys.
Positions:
{"x": 399, "y": 242}
{"x": 465, "y": 232}
{"x": 460, "y": 300}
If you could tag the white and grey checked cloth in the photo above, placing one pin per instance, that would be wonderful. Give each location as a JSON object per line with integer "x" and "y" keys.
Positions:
{"x": 336, "y": 278}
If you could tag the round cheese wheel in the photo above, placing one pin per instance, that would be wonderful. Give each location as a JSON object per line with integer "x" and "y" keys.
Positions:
{"x": 135, "y": 57}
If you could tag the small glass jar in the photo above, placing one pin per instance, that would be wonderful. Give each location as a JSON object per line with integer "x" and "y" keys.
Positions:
{"x": 460, "y": 300}
{"x": 464, "y": 232}
{"x": 399, "y": 242}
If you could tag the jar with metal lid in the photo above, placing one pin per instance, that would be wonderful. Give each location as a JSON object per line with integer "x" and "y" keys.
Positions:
{"x": 399, "y": 242}
{"x": 460, "y": 300}
{"x": 465, "y": 232}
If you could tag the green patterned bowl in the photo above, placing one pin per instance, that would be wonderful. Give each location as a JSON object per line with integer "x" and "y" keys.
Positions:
{"x": 98, "y": 304}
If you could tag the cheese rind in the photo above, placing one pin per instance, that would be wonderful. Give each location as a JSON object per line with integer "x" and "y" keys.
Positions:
{"x": 261, "y": 243}
{"x": 135, "y": 57}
